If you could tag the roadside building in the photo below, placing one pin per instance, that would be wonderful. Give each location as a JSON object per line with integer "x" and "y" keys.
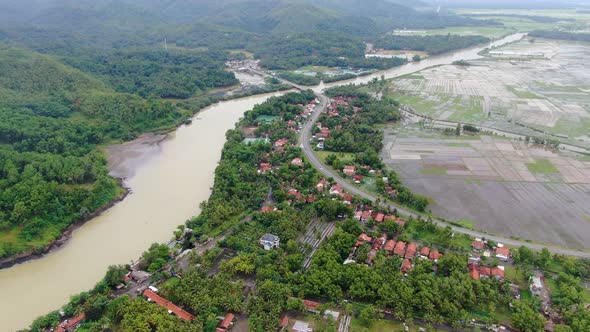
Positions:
{"x": 536, "y": 285}
{"x": 477, "y": 245}
{"x": 336, "y": 189}
{"x": 349, "y": 170}
{"x": 502, "y": 253}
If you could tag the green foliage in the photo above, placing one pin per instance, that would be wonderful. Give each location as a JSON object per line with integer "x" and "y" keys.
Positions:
{"x": 433, "y": 45}
{"x": 563, "y": 35}
{"x": 526, "y": 319}
{"x": 155, "y": 257}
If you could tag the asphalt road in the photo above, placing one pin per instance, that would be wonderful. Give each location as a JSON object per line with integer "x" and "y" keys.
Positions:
{"x": 304, "y": 141}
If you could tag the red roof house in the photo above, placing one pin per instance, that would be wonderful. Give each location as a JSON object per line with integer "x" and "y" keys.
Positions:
{"x": 434, "y": 255}
{"x": 349, "y": 170}
{"x": 477, "y": 245}
{"x": 502, "y": 253}
{"x": 264, "y": 167}
{"x": 389, "y": 246}
{"x": 424, "y": 252}
{"x": 400, "y": 248}
{"x": 406, "y": 266}
{"x": 227, "y": 321}
{"x": 311, "y": 305}
{"x": 474, "y": 271}
{"x": 281, "y": 142}
{"x": 365, "y": 237}
{"x": 410, "y": 251}
{"x": 336, "y": 189}
{"x": 497, "y": 272}
{"x": 297, "y": 162}
{"x": 71, "y": 324}
{"x": 167, "y": 304}
{"x": 379, "y": 217}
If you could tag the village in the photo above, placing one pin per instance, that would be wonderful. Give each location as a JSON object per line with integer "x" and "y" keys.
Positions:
{"x": 276, "y": 134}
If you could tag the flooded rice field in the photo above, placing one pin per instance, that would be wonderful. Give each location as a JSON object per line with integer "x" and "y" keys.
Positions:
{"x": 501, "y": 186}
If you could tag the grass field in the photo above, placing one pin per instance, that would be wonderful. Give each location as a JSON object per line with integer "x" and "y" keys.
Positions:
{"x": 344, "y": 157}
{"x": 542, "y": 166}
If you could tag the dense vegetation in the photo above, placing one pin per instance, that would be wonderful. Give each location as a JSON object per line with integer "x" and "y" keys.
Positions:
{"x": 54, "y": 118}
{"x": 431, "y": 44}
{"x": 554, "y": 34}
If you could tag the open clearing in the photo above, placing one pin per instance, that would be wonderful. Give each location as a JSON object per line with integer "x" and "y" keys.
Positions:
{"x": 542, "y": 85}
{"x": 500, "y": 186}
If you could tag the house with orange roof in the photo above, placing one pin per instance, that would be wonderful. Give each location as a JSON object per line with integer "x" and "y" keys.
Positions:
{"x": 172, "y": 308}
{"x": 410, "y": 251}
{"x": 400, "y": 248}
{"x": 349, "y": 170}
{"x": 71, "y": 324}
{"x": 389, "y": 246}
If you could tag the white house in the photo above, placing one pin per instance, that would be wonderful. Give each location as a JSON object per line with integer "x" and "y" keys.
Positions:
{"x": 270, "y": 241}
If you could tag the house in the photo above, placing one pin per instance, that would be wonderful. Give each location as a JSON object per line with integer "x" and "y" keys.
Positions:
{"x": 365, "y": 238}
{"x": 379, "y": 217}
{"x": 336, "y": 189}
{"x": 172, "y": 308}
{"x": 283, "y": 323}
{"x": 502, "y": 253}
{"x": 71, "y": 324}
{"x": 497, "y": 272}
{"x": 358, "y": 215}
{"x": 227, "y": 322}
{"x": 536, "y": 285}
{"x": 473, "y": 271}
{"x": 358, "y": 179}
{"x": 264, "y": 167}
{"x": 139, "y": 276}
{"x": 346, "y": 198}
{"x": 294, "y": 193}
{"x": 300, "y": 326}
{"x": 269, "y": 241}
{"x": 485, "y": 272}
{"x": 311, "y": 306}
{"x": 400, "y": 248}
{"x": 282, "y": 142}
{"x": 406, "y": 266}
{"x": 389, "y": 246}
{"x": 268, "y": 208}
{"x": 434, "y": 255}
{"x": 349, "y": 170}
{"x": 424, "y": 252}
{"x": 323, "y": 184}
{"x": 410, "y": 251}
{"x": 297, "y": 162}
{"x": 477, "y": 245}
{"x": 291, "y": 123}
{"x": 365, "y": 216}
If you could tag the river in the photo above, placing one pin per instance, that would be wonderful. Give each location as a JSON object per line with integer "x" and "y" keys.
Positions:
{"x": 168, "y": 181}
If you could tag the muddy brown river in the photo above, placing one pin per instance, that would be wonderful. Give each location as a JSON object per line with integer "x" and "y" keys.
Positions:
{"x": 169, "y": 177}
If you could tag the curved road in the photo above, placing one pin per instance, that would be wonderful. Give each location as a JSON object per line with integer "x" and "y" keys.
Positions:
{"x": 304, "y": 141}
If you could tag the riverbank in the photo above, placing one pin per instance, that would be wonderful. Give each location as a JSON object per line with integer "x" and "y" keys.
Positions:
{"x": 33, "y": 253}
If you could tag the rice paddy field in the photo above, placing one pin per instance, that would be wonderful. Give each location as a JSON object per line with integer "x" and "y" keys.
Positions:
{"x": 498, "y": 185}
{"x": 539, "y": 84}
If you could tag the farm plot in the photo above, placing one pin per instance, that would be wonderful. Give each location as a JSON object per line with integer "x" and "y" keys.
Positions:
{"x": 315, "y": 233}
{"x": 506, "y": 187}
{"x": 541, "y": 85}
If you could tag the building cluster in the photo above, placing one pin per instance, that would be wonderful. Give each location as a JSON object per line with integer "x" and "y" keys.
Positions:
{"x": 152, "y": 296}
{"x": 243, "y": 65}
{"x": 366, "y": 213}
{"x": 482, "y": 249}
{"x": 407, "y": 251}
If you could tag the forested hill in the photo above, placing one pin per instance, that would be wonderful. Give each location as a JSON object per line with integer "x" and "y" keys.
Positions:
{"x": 53, "y": 120}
